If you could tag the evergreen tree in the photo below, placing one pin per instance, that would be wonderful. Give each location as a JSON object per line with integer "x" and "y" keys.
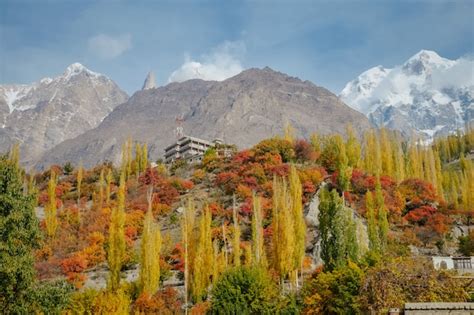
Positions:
{"x": 116, "y": 249}
{"x": 50, "y": 210}
{"x": 19, "y": 236}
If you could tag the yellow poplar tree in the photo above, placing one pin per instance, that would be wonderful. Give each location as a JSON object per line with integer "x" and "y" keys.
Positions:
{"x": 149, "y": 278}
{"x": 283, "y": 230}
{"x": 80, "y": 174}
{"x": 51, "y": 210}
{"x": 298, "y": 221}
{"x": 144, "y": 158}
{"x": 108, "y": 185}
{"x": 236, "y": 253}
{"x": 259, "y": 259}
{"x": 203, "y": 259}
{"x": 353, "y": 149}
{"x": 187, "y": 226}
{"x": 116, "y": 250}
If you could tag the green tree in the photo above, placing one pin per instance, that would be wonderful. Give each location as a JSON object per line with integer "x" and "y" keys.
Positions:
{"x": 382, "y": 219}
{"x": 19, "y": 236}
{"x": 337, "y": 230}
{"x": 244, "y": 290}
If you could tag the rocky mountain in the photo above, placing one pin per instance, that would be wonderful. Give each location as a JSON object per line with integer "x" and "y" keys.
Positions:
{"x": 45, "y": 113}
{"x": 428, "y": 95}
{"x": 150, "y": 82}
{"x": 242, "y": 110}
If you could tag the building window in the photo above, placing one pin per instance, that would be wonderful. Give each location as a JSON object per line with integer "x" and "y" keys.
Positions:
{"x": 462, "y": 263}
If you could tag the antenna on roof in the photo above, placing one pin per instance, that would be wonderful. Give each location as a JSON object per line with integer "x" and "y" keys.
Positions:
{"x": 179, "y": 131}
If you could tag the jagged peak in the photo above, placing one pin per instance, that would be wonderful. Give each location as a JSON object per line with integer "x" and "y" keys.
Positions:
{"x": 150, "y": 82}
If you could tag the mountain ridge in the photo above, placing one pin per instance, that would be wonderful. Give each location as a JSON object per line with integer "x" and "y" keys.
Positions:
{"x": 253, "y": 105}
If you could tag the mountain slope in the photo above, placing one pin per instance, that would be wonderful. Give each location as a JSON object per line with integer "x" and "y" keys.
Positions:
{"x": 428, "y": 95}
{"x": 244, "y": 109}
{"x": 47, "y": 112}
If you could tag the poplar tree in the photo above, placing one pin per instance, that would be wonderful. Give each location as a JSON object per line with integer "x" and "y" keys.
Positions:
{"x": 51, "y": 210}
{"x": 144, "y": 158}
{"x": 353, "y": 149}
{"x": 338, "y": 230}
{"x": 372, "y": 228}
{"x": 289, "y": 133}
{"x": 386, "y": 153}
{"x": 298, "y": 220}
{"x": 187, "y": 226}
{"x": 283, "y": 237}
{"x": 149, "y": 278}
{"x": 259, "y": 259}
{"x": 116, "y": 242}
{"x": 382, "y": 219}
{"x": 236, "y": 253}
{"x": 101, "y": 188}
{"x": 203, "y": 259}
{"x": 80, "y": 174}
{"x": 109, "y": 180}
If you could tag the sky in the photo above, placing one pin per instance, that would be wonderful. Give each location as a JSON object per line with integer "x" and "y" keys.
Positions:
{"x": 326, "y": 42}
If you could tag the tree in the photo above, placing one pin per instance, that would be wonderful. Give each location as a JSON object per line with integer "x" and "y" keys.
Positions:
{"x": 372, "y": 228}
{"x": 50, "y": 210}
{"x": 283, "y": 237}
{"x": 259, "y": 259}
{"x": 19, "y": 236}
{"x": 334, "y": 292}
{"x": 382, "y": 216}
{"x": 108, "y": 179}
{"x": 150, "y": 252}
{"x": 203, "y": 263}
{"x": 298, "y": 221}
{"x": 80, "y": 174}
{"x": 353, "y": 150}
{"x": 244, "y": 290}
{"x": 337, "y": 230}
{"x": 116, "y": 249}
{"x": 236, "y": 253}
{"x": 187, "y": 226}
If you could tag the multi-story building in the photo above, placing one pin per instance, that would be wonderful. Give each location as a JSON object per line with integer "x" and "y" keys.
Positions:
{"x": 188, "y": 148}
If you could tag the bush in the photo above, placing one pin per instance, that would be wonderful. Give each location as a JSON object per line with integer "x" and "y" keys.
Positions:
{"x": 333, "y": 292}
{"x": 466, "y": 244}
{"x": 244, "y": 290}
{"x": 50, "y": 297}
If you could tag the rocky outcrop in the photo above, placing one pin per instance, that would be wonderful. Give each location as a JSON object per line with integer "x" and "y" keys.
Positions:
{"x": 244, "y": 109}
{"x": 150, "y": 82}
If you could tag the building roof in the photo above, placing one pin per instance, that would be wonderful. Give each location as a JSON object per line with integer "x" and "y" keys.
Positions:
{"x": 439, "y": 306}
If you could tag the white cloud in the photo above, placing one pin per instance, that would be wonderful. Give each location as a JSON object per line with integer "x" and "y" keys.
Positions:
{"x": 108, "y": 47}
{"x": 222, "y": 63}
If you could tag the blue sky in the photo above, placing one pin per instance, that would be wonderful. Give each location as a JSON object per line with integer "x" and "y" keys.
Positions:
{"x": 326, "y": 42}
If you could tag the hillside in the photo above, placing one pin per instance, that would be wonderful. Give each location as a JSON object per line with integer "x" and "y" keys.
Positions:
{"x": 253, "y": 105}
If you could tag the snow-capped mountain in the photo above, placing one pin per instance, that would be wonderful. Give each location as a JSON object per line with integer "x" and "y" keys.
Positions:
{"x": 45, "y": 113}
{"x": 428, "y": 95}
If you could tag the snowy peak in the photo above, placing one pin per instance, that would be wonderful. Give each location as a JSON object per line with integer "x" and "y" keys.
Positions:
{"x": 76, "y": 69}
{"x": 428, "y": 94}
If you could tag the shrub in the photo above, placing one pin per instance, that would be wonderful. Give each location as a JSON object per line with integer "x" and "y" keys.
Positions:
{"x": 244, "y": 290}
{"x": 50, "y": 297}
{"x": 466, "y": 244}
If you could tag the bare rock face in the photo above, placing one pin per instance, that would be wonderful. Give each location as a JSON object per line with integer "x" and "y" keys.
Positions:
{"x": 251, "y": 106}
{"x": 45, "y": 113}
{"x": 150, "y": 82}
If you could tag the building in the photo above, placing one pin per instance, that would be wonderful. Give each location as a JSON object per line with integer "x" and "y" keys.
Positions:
{"x": 460, "y": 264}
{"x": 192, "y": 149}
{"x": 439, "y": 309}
